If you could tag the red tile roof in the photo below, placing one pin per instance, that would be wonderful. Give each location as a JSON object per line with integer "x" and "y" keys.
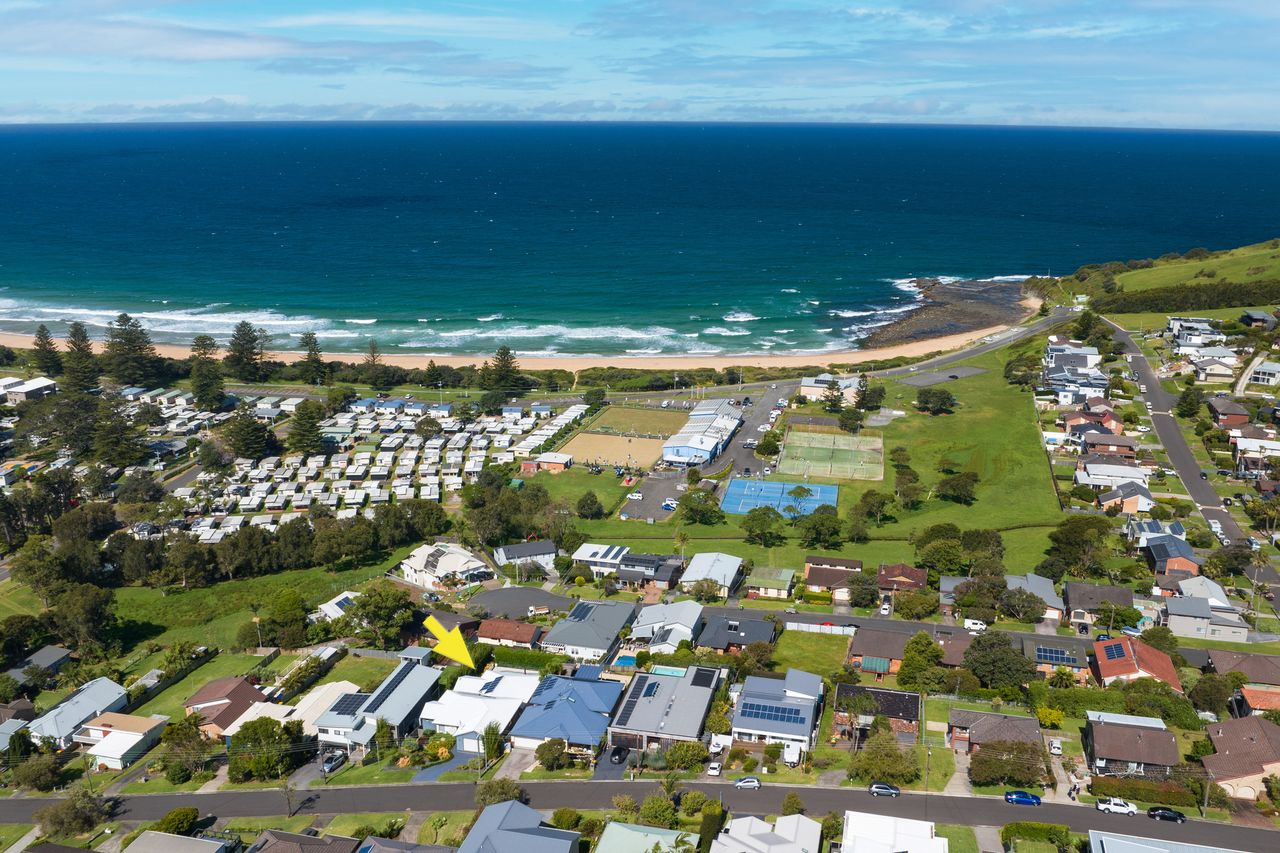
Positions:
{"x": 901, "y": 576}
{"x": 1131, "y": 659}
{"x": 509, "y": 630}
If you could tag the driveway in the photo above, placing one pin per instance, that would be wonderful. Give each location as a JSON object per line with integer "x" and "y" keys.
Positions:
{"x": 518, "y": 761}
{"x": 435, "y": 771}
{"x": 308, "y": 773}
{"x": 513, "y": 602}
{"x": 606, "y": 770}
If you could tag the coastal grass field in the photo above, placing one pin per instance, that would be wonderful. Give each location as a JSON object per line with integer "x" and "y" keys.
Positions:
{"x": 1156, "y": 321}
{"x": 628, "y": 420}
{"x": 1258, "y": 262}
{"x": 602, "y": 449}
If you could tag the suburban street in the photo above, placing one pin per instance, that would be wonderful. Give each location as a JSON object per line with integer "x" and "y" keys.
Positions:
{"x": 970, "y": 811}
{"x": 1175, "y": 444}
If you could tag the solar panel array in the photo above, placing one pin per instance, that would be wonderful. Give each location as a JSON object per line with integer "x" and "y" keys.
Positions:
{"x": 1045, "y": 654}
{"x": 624, "y": 716}
{"x": 704, "y": 677}
{"x": 651, "y": 690}
{"x": 348, "y": 704}
{"x": 777, "y": 713}
{"x": 1114, "y": 651}
{"x": 388, "y": 688}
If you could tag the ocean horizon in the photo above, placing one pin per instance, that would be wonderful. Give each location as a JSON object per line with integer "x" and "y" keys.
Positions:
{"x": 586, "y": 239}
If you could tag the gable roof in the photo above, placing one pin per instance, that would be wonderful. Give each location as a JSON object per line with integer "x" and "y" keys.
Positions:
{"x": 901, "y": 576}
{"x": 1118, "y": 742}
{"x": 591, "y": 625}
{"x": 721, "y": 568}
{"x": 760, "y": 696}
{"x": 1129, "y": 657}
{"x": 813, "y": 561}
{"x": 829, "y": 577}
{"x": 1037, "y": 585}
{"x": 88, "y": 700}
{"x": 1089, "y": 596}
{"x": 985, "y": 727}
{"x": 898, "y": 704}
{"x": 721, "y": 632}
{"x": 1244, "y": 747}
{"x": 575, "y": 709}
{"x": 512, "y": 825}
{"x": 234, "y": 695}
{"x": 509, "y": 630}
{"x": 1259, "y": 669}
{"x": 275, "y": 841}
{"x": 526, "y": 550}
{"x": 655, "y": 616}
{"x": 879, "y": 643}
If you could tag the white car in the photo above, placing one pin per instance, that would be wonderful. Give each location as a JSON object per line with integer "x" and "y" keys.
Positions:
{"x": 1055, "y": 746}
{"x": 1115, "y": 805}
{"x": 1144, "y": 428}
{"x": 1142, "y": 389}
{"x": 762, "y": 428}
{"x": 714, "y": 768}
{"x": 635, "y": 496}
{"x": 782, "y": 401}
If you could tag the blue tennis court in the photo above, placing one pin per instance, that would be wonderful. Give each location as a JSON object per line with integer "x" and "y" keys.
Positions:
{"x": 742, "y": 496}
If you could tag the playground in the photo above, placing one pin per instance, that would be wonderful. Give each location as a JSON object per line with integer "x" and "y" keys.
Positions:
{"x": 836, "y": 455}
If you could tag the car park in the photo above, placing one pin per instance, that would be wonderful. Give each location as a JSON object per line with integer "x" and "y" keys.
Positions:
{"x": 1164, "y": 813}
{"x": 618, "y": 755}
{"x": 883, "y": 789}
{"x": 714, "y": 768}
{"x": 748, "y": 783}
{"x": 1021, "y": 798}
{"x": 1115, "y": 805}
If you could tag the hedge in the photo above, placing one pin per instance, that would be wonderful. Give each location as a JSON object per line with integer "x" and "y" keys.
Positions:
{"x": 1056, "y": 834}
{"x": 817, "y": 597}
{"x": 1217, "y": 293}
{"x": 526, "y": 658}
{"x": 1143, "y": 790}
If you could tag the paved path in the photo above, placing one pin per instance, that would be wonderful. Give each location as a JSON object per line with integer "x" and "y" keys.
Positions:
{"x": 958, "y": 784}
{"x": 25, "y": 841}
{"x": 989, "y": 839}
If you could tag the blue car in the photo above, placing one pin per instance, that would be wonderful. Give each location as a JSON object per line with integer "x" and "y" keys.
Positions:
{"x": 1021, "y": 798}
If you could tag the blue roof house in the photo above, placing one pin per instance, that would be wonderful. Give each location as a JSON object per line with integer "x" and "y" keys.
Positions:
{"x": 91, "y": 699}
{"x": 574, "y": 709}
{"x": 512, "y": 825}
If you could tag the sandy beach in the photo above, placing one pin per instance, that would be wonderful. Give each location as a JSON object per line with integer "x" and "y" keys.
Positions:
{"x": 675, "y": 362}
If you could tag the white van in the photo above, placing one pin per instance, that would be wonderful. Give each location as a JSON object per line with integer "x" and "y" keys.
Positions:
{"x": 975, "y": 626}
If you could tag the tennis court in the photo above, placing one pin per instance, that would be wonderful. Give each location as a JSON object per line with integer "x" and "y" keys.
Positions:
{"x": 833, "y": 454}
{"x": 742, "y": 496}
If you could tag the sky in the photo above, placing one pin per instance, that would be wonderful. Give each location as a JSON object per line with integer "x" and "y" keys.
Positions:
{"x": 1121, "y": 63}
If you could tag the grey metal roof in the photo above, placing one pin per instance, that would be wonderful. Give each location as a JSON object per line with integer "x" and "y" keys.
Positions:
{"x": 1037, "y": 585}
{"x": 720, "y": 632}
{"x": 1188, "y": 606}
{"x": 1101, "y": 841}
{"x": 49, "y": 657}
{"x": 591, "y": 625}
{"x": 668, "y": 705}
{"x": 525, "y": 550}
{"x": 88, "y": 701}
{"x": 764, "y": 706}
{"x": 512, "y": 825}
{"x": 803, "y": 683}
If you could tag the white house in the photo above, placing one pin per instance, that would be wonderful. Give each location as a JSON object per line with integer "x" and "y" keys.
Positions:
{"x": 1213, "y": 370}
{"x": 1109, "y": 475}
{"x": 868, "y": 832}
{"x": 664, "y": 626}
{"x": 475, "y": 702}
{"x": 813, "y": 387}
{"x": 430, "y": 566}
{"x": 1265, "y": 373}
{"x": 789, "y": 834}
{"x": 724, "y": 569}
{"x": 335, "y": 607}
{"x": 603, "y": 560}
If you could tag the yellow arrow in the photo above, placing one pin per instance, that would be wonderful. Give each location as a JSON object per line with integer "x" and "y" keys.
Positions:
{"x": 449, "y": 644}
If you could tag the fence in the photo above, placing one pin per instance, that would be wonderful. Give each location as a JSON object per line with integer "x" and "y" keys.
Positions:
{"x": 808, "y": 628}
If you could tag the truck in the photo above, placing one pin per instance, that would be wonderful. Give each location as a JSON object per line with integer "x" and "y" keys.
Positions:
{"x": 539, "y": 610}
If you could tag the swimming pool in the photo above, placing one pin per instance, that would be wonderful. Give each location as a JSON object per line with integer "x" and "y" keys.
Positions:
{"x": 677, "y": 671}
{"x": 624, "y": 660}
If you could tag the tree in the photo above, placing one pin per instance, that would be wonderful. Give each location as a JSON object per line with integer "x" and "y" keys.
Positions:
{"x": 79, "y": 366}
{"x": 705, "y": 590}
{"x": 129, "y": 356}
{"x": 504, "y": 372}
{"x": 304, "y": 430}
{"x": 1161, "y": 638}
{"x": 921, "y": 654}
{"x": 935, "y": 401}
{"x": 246, "y": 351}
{"x": 117, "y": 440}
{"x": 206, "y": 376}
{"x": 10, "y": 689}
{"x": 870, "y": 397}
{"x": 39, "y": 773}
{"x": 264, "y": 749}
{"x": 792, "y": 804}
{"x": 1007, "y": 763}
{"x": 139, "y": 488}
{"x": 83, "y": 614}
{"x": 1080, "y": 541}
{"x": 185, "y": 745}
{"x": 863, "y": 589}
{"x": 769, "y": 444}
{"x": 383, "y": 608}
{"x": 338, "y": 396}
{"x": 179, "y": 821}
{"x": 427, "y": 427}
{"x": 1211, "y": 693}
{"x": 916, "y": 604}
{"x": 851, "y": 420}
{"x": 995, "y": 662}
{"x": 685, "y": 755}
{"x": 1189, "y": 402}
{"x": 45, "y": 352}
{"x": 763, "y": 526}
{"x": 874, "y": 505}
{"x": 1051, "y": 718}
{"x": 493, "y": 791}
{"x": 80, "y": 812}
{"x": 1022, "y": 605}
{"x": 37, "y": 566}
{"x": 961, "y": 488}
{"x": 698, "y": 506}
{"x": 832, "y": 398}
{"x": 245, "y": 436}
{"x": 821, "y": 529}
{"x": 311, "y": 369}
{"x": 551, "y": 754}
{"x": 492, "y": 741}
{"x": 882, "y": 760}
{"x": 658, "y": 810}
{"x": 589, "y": 506}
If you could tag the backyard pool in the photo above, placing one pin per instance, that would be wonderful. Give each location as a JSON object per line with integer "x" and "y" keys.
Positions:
{"x": 624, "y": 660}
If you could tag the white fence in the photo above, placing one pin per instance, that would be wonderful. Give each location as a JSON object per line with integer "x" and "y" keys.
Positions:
{"x": 846, "y": 630}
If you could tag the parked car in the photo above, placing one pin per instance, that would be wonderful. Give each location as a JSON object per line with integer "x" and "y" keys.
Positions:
{"x": 618, "y": 754}
{"x": 790, "y": 611}
{"x": 714, "y": 768}
{"x": 635, "y": 496}
{"x": 669, "y": 504}
{"x": 883, "y": 789}
{"x": 1132, "y": 632}
{"x": 886, "y": 608}
{"x": 748, "y": 783}
{"x": 1204, "y": 475}
{"x": 1021, "y": 798}
{"x": 1115, "y": 805}
{"x": 1101, "y": 638}
{"x": 333, "y": 761}
{"x": 1144, "y": 429}
{"x": 762, "y": 428}
{"x": 975, "y": 626}
{"x": 1163, "y": 813}
{"x": 1055, "y": 746}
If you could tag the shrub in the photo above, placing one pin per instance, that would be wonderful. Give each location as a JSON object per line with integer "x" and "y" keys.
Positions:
{"x": 1050, "y": 718}
{"x": 565, "y": 818}
{"x": 817, "y": 597}
{"x": 177, "y": 773}
{"x": 591, "y": 827}
{"x": 1056, "y": 834}
{"x": 1144, "y": 790}
{"x": 710, "y": 825}
{"x": 39, "y": 773}
{"x": 750, "y": 764}
{"x": 179, "y": 821}
{"x": 658, "y": 810}
{"x": 691, "y": 802}
{"x": 792, "y": 804}
{"x": 493, "y": 791}
{"x": 686, "y": 755}
{"x": 1007, "y": 762}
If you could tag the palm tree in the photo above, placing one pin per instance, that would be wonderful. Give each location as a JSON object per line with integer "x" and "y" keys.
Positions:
{"x": 670, "y": 785}
{"x": 681, "y": 541}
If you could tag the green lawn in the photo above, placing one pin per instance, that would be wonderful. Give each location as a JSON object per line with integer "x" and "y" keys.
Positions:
{"x": 161, "y": 785}
{"x": 11, "y": 832}
{"x": 816, "y": 653}
{"x": 1153, "y": 321}
{"x": 248, "y": 828}
{"x": 1258, "y": 262}
{"x": 656, "y": 421}
{"x": 541, "y": 774}
{"x": 572, "y": 484}
{"x": 17, "y": 600}
{"x": 169, "y": 702}
{"x": 938, "y": 710}
{"x": 362, "y": 672}
{"x": 371, "y": 774}
{"x": 445, "y": 828}
{"x": 960, "y": 839}
{"x": 347, "y": 824}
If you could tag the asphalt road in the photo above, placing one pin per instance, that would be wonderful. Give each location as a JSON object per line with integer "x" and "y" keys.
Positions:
{"x": 597, "y": 794}
{"x": 1180, "y": 456}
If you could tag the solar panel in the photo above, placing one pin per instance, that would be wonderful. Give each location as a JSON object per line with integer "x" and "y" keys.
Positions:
{"x": 1114, "y": 651}
{"x": 703, "y": 677}
{"x": 624, "y": 716}
{"x": 1046, "y": 654}
{"x": 776, "y": 713}
{"x": 388, "y": 688}
{"x": 348, "y": 704}
{"x": 651, "y": 690}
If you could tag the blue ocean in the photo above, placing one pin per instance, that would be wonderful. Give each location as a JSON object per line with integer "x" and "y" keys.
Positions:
{"x": 586, "y": 238}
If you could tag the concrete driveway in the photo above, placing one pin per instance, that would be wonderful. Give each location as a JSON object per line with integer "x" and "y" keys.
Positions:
{"x": 514, "y": 602}
{"x": 518, "y": 761}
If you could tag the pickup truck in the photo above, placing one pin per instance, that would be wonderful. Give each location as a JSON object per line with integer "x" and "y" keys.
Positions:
{"x": 1115, "y": 805}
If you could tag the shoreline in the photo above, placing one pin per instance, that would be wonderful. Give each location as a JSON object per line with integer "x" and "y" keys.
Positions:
{"x": 911, "y": 349}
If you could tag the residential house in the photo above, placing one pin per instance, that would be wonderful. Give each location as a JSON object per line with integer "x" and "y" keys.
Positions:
{"x": 641, "y": 570}
{"x": 352, "y": 720}
{"x": 1261, "y": 691}
{"x": 509, "y": 632}
{"x": 279, "y": 841}
{"x": 788, "y": 834}
{"x": 1253, "y": 456}
{"x": 317, "y": 701}
{"x": 1139, "y": 530}
{"x": 955, "y": 643}
{"x": 1213, "y": 370}
{"x": 590, "y": 631}
{"x": 1051, "y": 653}
{"x": 513, "y": 826}
{"x": 150, "y": 841}
{"x": 878, "y": 650}
{"x": 1107, "y": 472}
{"x": 1126, "y": 745}
{"x": 1109, "y": 445}
{"x": 335, "y": 607}
{"x": 815, "y": 387}
{"x": 1246, "y": 751}
{"x": 21, "y": 709}
{"x": 1084, "y": 600}
{"x": 1128, "y": 659}
{"x": 444, "y": 563}
{"x": 662, "y": 627}
{"x": 1227, "y": 413}
{"x": 830, "y": 574}
{"x": 554, "y": 463}
{"x": 91, "y": 699}
{"x": 1189, "y": 616}
{"x": 724, "y": 569}
{"x": 779, "y": 710}
{"x": 893, "y": 578}
{"x": 1107, "y": 420}
{"x": 768, "y": 582}
{"x": 947, "y": 586}
{"x": 872, "y": 832}
{"x": 619, "y": 837}
{"x": 52, "y": 658}
{"x": 476, "y": 701}
{"x": 1255, "y": 319}
{"x": 259, "y": 711}
{"x": 603, "y": 560}
{"x": 1263, "y": 373}
{"x": 967, "y": 731}
{"x": 33, "y": 389}
{"x": 731, "y": 634}
{"x": 221, "y": 702}
{"x": 1127, "y": 499}
{"x": 1169, "y": 554}
{"x": 117, "y": 740}
{"x": 540, "y": 554}
{"x": 857, "y": 706}
{"x": 576, "y": 710}
{"x": 659, "y": 710}
{"x": 466, "y": 624}
{"x": 1042, "y": 587}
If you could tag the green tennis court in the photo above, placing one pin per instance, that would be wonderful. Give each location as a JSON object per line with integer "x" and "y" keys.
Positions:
{"x": 837, "y": 455}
